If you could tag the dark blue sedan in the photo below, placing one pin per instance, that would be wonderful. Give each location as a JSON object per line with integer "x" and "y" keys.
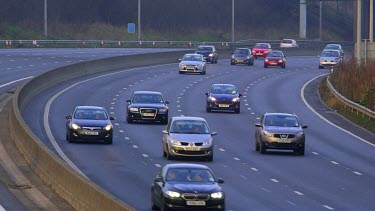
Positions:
{"x": 242, "y": 56}
{"x": 223, "y": 97}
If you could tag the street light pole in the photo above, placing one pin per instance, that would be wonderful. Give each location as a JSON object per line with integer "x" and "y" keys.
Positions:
{"x": 45, "y": 18}
{"x": 139, "y": 20}
{"x": 232, "y": 21}
{"x": 320, "y": 20}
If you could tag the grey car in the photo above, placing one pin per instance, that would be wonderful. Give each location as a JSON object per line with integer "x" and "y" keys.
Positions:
{"x": 329, "y": 58}
{"x": 194, "y": 63}
{"x": 188, "y": 137}
{"x": 280, "y": 131}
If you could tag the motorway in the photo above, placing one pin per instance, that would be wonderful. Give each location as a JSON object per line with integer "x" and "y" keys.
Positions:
{"x": 337, "y": 172}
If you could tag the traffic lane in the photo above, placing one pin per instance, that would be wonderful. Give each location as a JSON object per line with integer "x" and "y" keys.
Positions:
{"x": 336, "y": 154}
{"x": 7, "y": 200}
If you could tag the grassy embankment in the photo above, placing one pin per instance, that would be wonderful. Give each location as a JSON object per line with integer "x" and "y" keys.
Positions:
{"x": 356, "y": 84}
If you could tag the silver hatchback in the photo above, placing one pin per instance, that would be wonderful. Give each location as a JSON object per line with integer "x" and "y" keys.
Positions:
{"x": 188, "y": 137}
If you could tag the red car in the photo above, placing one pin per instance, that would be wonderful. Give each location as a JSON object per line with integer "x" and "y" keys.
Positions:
{"x": 275, "y": 58}
{"x": 261, "y": 50}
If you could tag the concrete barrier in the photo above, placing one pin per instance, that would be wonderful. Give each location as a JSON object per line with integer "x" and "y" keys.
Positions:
{"x": 80, "y": 192}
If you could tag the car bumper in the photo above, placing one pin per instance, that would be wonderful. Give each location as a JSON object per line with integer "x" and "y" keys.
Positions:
{"x": 184, "y": 151}
{"x": 259, "y": 54}
{"x": 327, "y": 64}
{"x": 208, "y": 58}
{"x": 240, "y": 61}
{"x": 181, "y": 204}
{"x": 274, "y": 63}
{"x": 223, "y": 105}
{"x": 277, "y": 143}
{"x": 89, "y": 135}
{"x": 157, "y": 117}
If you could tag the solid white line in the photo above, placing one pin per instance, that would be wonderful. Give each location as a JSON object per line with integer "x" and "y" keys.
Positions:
{"x": 328, "y": 207}
{"x": 15, "y": 81}
{"x": 326, "y": 120}
{"x": 298, "y": 193}
{"x": 2, "y": 208}
{"x": 265, "y": 189}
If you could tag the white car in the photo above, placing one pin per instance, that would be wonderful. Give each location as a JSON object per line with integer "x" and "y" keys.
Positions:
{"x": 194, "y": 63}
{"x": 288, "y": 43}
{"x": 329, "y": 58}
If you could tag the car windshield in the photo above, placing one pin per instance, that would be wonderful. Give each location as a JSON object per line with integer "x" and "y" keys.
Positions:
{"x": 336, "y": 47}
{"x": 189, "y": 175}
{"x": 287, "y": 41}
{"x": 261, "y": 46}
{"x": 281, "y": 121}
{"x": 192, "y": 58}
{"x": 190, "y": 127}
{"x": 223, "y": 89}
{"x": 330, "y": 54}
{"x": 94, "y": 114}
{"x": 147, "y": 98}
{"x": 274, "y": 54}
{"x": 241, "y": 51}
{"x": 203, "y": 48}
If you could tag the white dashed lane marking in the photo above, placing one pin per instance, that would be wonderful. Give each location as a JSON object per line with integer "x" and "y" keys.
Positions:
{"x": 236, "y": 158}
{"x": 328, "y": 207}
{"x": 221, "y": 149}
{"x": 334, "y": 162}
{"x": 158, "y": 165}
{"x": 265, "y": 189}
{"x": 117, "y": 124}
{"x": 315, "y": 153}
{"x": 145, "y": 155}
{"x": 135, "y": 146}
{"x": 127, "y": 138}
{"x": 357, "y": 173}
{"x": 291, "y": 203}
{"x": 254, "y": 169}
{"x": 274, "y": 180}
{"x": 298, "y": 193}
{"x": 121, "y": 131}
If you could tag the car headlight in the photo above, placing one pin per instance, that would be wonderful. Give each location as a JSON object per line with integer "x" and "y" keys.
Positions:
{"x": 174, "y": 142}
{"x": 217, "y": 195}
{"x": 210, "y": 55}
{"x": 280, "y": 60}
{"x": 266, "y": 133}
{"x": 108, "y": 127}
{"x": 133, "y": 109}
{"x": 232, "y": 56}
{"x": 236, "y": 99}
{"x": 248, "y": 57}
{"x": 75, "y": 126}
{"x": 300, "y": 134}
{"x": 173, "y": 194}
{"x": 212, "y": 99}
{"x": 207, "y": 143}
{"x": 163, "y": 110}
{"x": 266, "y": 60}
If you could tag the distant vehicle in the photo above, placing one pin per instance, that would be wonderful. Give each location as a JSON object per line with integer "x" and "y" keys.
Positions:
{"x": 335, "y": 47}
{"x": 329, "y": 58}
{"x": 193, "y": 63}
{"x": 280, "y": 131}
{"x": 188, "y": 137}
{"x": 261, "y": 50}
{"x": 242, "y": 56}
{"x": 89, "y": 123}
{"x": 288, "y": 43}
{"x": 147, "y": 106}
{"x": 208, "y": 52}
{"x": 223, "y": 97}
{"x": 187, "y": 186}
{"x": 275, "y": 58}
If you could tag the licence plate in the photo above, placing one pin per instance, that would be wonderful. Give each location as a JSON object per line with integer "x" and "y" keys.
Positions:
{"x": 196, "y": 203}
{"x": 91, "y": 133}
{"x": 148, "y": 114}
{"x": 286, "y": 141}
{"x": 223, "y": 106}
{"x": 259, "y": 53}
{"x": 239, "y": 60}
{"x": 274, "y": 63}
{"x": 191, "y": 148}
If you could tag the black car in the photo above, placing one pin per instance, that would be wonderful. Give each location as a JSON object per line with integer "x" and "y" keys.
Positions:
{"x": 242, "y": 56}
{"x": 147, "y": 106}
{"x": 89, "y": 123}
{"x": 223, "y": 97}
{"x": 187, "y": 186}
{"x": 208, "y": 52}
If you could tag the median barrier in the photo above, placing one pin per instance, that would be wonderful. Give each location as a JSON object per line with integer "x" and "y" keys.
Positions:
{"x": 76, "y": 189}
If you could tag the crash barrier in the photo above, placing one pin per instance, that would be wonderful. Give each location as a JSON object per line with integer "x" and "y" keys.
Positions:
{"x": 77, "y": 190}
{"x": 352, "y": 105}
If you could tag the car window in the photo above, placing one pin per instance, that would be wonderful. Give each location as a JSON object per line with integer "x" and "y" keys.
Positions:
{"x": 189, "y": 126}
{"x": 205, "y": 48}
{"x": 330, "y": 54}
{"x": 94, "y": 114}
{"x": 192, "y": 58}
{"x": 274, "y": 54}
{"x": 189, "y": 175}
{"x": 281, "y": 121}
{"x": 262, "y": 46}
{"x": 223, "y": 89}
{"x": 147, "y": 98}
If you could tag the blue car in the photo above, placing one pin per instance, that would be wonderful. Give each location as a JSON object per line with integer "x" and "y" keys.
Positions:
{"x": 223, "y": 97}
{"x": 208, "y": 52}
{"x": 242, "y": 56}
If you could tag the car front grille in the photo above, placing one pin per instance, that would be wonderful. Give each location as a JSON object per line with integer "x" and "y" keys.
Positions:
{"x": 91, "y": 128}
{"x": 187, "y": 144}
{"x": 192, "y": 196}
{"x": 223, "y": 102}
{"x": 283, "y": 136}
{"x": 153, "y": 111}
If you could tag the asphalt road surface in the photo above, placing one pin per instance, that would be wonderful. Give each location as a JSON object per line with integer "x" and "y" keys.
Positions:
{"x": 337, "y": 172}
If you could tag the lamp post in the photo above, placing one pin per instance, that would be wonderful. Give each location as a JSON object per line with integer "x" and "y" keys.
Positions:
{"x": 232, "y": 21}
{"x": 139, "y": 20}
{"x": 45, "y": 18}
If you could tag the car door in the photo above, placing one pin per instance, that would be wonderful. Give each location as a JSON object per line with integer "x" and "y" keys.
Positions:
{"x": 157, "y": 190}
{"x": 166, "y": 136}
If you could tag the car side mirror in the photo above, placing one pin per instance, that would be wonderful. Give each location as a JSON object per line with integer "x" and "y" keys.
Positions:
{"x": 165, "y": 132}
{"x": 239, "y": 95}
{"x": 112, "y": 118}
{"x": 220, "y": 180}
{"x": 167, "y": 102}
{"x": 128, "y": 101}
{"x": 206, "y": 93}
{"x": 304, "y": 126}
{"x": 158, "y": 179}
{"x": 68, "y": 117}
{"x": 213, "y": 133}
{"x": 179, "y": 60}
{"x": 258, "y": 125}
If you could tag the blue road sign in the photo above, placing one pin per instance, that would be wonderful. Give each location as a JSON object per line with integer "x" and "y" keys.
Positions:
{"x": 131, "y": 28}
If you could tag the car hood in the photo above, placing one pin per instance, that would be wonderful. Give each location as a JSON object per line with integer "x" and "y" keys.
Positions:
{"x": 220, "y": 97}
{"x": 329, "y": 58}
{"x": 191, "y": 62}
{"x": 196, "y": 138}
{"x": 274, "y": 129}
{"x": 205, "y": 53}
{"x": 274, "y": 58}
{"x": 240, "y": 55}
{"x": 191, "y": 187}
{"x": 147, "y": 105}
{"x": 260, "y": 49}
{"x": 91, "y": 123}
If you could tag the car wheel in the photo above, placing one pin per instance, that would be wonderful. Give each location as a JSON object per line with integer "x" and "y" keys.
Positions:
{"x": 321, "y": 67}
{"x": 252, "y": 62}
{"x": 108, "y": 141}
{"x": 208, "y": 109}
{"x": 262, "y": 148}
{"x": 180, "y": 72}
{"x": 232, "y": 63}
{"x": 164, "y": 121}
{"x": 210, "y": 158}
{"x": 283, "y": 65}
{"x": 256, "y": 146}
{"x": 70, "y": 139}
{"x": 237, "y": 110}
{"x": 129, "y": 120}
{"x": 153, "y": 206}
{"x": 164, "y": 153}
{"x": 164, "y": 207}
{"x": 300, "y": 151}
{"x": 255, "y": 57}
{"x": 168, "y": 155}
{"x": 265, "y": 66}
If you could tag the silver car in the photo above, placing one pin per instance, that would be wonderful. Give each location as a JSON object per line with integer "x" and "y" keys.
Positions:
{"x": 280, "y": 131}
{"x": 194, "y": 63}
{"x": 188, "y": 137}
{"x": 329, "y": 58}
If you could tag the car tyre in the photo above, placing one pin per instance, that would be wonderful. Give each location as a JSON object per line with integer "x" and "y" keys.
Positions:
{"x": 300, "y": 151}
{"x": 265, "y": 66}
{"x": 70, "y": 139}
{"x": 180, "y": 72}
{"x": 129, "y": 120}
{"x": 208, "y": 109}
{"x": 232, "y": 63}
{"x": 168, "y": 155}
{"x": 262, "y": 148}
{"x": 153, "y": 206}
{"x": 321, "y": 67}
{"x": 256, "y": 146}
{"x": 164, "y": 207}
{"x": 109, "y": 141}
{"x": 237, "y": 110}
{"x": 252, "y": 62}
{"x": 283, "y": 66}
{"x": 210, "y": 158}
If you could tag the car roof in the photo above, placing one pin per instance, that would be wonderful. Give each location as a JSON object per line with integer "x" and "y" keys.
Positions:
{"x": 187, "y": 118}
{"x": 262, "y": 43}
{"x": 289, "y": 39}
{"x": 147, "y": 92}
{"x": 331, "y": 50}
{"x": 193, "y": 54}
{"x": 89, "y": 107}
{"x": 333, "y": 44}
{"x": 186, "y": 165}
{"x": 211, "y": 46}
{"x": 275, "y": 51}
{"x": 242, "y": 48}
{"x": 222, "y": 85}
{"x": 279, "y": 114}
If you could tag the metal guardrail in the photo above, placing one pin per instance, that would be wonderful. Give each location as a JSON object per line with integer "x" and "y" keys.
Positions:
{"x": 350, "y": 103}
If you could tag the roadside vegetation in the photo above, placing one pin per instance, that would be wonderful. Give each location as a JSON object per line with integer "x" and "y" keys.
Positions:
{"x": 356, "y": 83}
